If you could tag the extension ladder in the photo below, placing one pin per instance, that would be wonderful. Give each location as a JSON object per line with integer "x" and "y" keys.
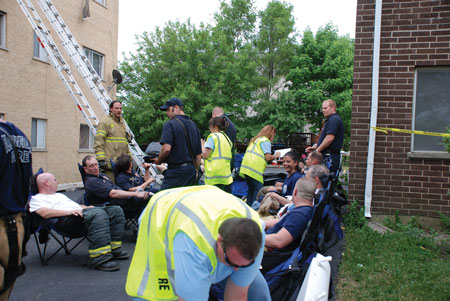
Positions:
{"x": 83, "y": 65}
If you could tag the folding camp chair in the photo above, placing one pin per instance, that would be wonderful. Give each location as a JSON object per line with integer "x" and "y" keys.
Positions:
{"x": 286, "y": 277}
{"x": 67, "y": 240}
{"x": 130, "y": 210}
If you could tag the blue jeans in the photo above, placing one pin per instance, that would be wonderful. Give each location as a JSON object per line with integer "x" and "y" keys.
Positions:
{"x": 179, "y": 177}
{"x": 253, "y": 187}
{"x": 258, "y": 290}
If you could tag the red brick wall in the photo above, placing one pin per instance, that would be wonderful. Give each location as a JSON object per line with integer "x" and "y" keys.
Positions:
{"x": 413, "y": 34}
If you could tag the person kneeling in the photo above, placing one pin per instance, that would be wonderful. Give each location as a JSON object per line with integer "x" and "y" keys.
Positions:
{"x": 105, "y": 225}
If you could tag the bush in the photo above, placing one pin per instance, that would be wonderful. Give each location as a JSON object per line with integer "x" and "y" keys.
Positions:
{"x": 355, "y": 217}
{"x": 446, "y": 221}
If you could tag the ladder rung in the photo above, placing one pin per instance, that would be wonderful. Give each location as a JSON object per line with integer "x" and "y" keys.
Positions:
{"x": 78, "y": 93}
{"x": 37, "y": 20}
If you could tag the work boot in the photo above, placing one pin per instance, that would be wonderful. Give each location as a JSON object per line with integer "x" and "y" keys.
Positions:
{"x": 108, "y": 266}
{"x": 120, "y": 255}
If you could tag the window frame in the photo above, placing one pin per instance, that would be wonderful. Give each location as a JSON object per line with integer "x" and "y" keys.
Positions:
{"x": 36, "y": 132}
{"x": 41, "y": 50}
{"x": 90, "y": 138}
{"x": 89, "y": 54}
{"x": 432, "y": 153}
{"x": 101, "y": 2}
{"x": 2, "y": 30}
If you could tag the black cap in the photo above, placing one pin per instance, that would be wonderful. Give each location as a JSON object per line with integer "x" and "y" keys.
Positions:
{"x": 172, "y": 102}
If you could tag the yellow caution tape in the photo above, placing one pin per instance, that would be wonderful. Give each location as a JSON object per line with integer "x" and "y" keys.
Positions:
{"x": 385, "y": 130}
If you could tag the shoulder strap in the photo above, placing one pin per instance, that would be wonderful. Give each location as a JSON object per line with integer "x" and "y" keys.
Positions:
{"x": 188, "y": 142}
{"x": 18, "y": 163}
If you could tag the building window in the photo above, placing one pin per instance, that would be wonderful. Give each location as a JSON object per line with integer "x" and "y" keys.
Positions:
{"x": 431, "y": 108}
{"x": 38, "y": 127}
{"x": 2, "y": 30}
{"x": 86, "y": 138}
{"x": 96, "y": 60}
{"x": 38, "y": 51}
{"x": 2, "y": 116}
{"x": 102, "y": 2}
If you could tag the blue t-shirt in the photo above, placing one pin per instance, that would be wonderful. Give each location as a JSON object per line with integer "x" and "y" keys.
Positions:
{"x": 333, "y": 126}
{"x": 289, "y": 183}
{"x": 173, "y": 133}
{"x": 193, "y": 268}
{"x": 295, "y": 222}
{"x": 266, "y": 147}
{"x": 98, "y": 189}
{"x": 126, "y": 181}
{"x": 12, "y": 197}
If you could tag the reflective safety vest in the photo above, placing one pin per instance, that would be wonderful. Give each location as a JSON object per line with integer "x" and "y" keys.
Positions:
{"x": 111, "y": 139}
{"x": 217, "y": 165}
{"x": 198, "y": 211}
{"x": 254, "y": 162}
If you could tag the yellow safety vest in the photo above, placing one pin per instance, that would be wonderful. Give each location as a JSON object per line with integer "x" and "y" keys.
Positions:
{"x": 198, "y": 211}
{"x": 111, "y": 139}
{"x": 254, "y": 162}
{"x": 217, "y": 165}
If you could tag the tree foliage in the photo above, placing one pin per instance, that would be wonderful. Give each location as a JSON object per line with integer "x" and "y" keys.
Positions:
{"x": 323, "y": 69}
{"x": 276, "y": 45}
{"x": 239, "y": 66}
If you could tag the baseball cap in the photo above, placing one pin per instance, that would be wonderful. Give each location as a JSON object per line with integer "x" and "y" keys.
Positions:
{"x": 172, "y": 102}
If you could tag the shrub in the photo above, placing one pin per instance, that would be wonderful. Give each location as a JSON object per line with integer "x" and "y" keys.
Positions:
{"x": 355, "y": 217}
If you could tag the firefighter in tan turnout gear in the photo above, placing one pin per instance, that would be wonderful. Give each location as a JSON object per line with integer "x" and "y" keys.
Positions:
{"x": 111, "y": 139}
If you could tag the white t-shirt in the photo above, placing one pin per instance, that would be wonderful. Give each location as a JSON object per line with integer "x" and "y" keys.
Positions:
{"x": 57, "y": 201}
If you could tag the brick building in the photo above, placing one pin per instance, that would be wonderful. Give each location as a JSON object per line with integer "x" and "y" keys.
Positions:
{"x": 411, "y": 173}
{"x": 32, "y": 95}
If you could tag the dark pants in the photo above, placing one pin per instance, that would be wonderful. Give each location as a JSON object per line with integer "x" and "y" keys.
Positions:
{"x": 179, "y": 177}
{"x": 226, "y": 188}
{"x": 333, "y": 162}
{"x": 253, "y": 187}
{"x": 5, "y": 254}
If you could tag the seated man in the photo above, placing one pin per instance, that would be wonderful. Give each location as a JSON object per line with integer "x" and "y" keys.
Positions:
{"x": 317, "y": 173}
{"x": 286, "y": 233}
{"x": 100, "y": 189}
{"x": 105, "y": 225}
{"x": 128, "y": 181}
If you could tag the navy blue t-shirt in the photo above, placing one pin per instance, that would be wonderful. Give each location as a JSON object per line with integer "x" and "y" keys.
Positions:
{"x": 126, "y": 181}
{"x": 289, "y": 183}
{"x": 98, "y": 189}
{"x": 231, "y": 130}
{"x": 295, "y": 222}
{"x": 333, "y": 126}
{"x": 173, "y": 134}
{"x": 12, "y": 197}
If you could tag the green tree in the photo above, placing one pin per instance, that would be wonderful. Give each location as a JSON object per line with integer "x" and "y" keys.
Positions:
{"x": 276, "y": 46}
{"x": 198, "y": 65}
{"x": 323, "y": 69}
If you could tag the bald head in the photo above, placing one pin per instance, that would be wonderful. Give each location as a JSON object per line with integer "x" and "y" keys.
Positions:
{"x": 304, "y": 189}
{"x": 217, "y": 112}
{"x": 46, "y": 183}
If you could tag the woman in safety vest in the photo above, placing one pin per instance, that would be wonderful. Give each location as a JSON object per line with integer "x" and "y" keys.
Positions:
{"x": 258, "y": 153}
{"x": 217, "y": 155}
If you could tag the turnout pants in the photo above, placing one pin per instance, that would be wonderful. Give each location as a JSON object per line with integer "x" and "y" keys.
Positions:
{"x": 11, "y": 240}
{"x": 105, "y": 227}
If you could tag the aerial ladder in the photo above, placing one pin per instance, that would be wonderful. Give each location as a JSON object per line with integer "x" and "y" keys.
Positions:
{"x": 82, "y": 64}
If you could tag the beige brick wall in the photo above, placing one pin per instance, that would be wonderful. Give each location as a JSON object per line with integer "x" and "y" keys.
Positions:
{"x": 32, "y": 89}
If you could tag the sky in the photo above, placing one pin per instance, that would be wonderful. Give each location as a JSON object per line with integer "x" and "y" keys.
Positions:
{"x": 137, "y": 16}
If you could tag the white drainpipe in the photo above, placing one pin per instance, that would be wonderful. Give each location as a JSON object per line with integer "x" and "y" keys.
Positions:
{"x": 374, "y": 109}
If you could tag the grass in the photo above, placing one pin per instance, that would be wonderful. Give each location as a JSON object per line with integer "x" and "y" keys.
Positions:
{"x": 402, "y": 265}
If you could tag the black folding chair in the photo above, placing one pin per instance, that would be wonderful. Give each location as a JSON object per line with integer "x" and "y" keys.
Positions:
{"x": 67, "y": 240}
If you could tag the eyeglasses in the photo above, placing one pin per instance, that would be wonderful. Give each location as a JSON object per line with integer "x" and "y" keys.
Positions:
{"x": 227, "y": 260}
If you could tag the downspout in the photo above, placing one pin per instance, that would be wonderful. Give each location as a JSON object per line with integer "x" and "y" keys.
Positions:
{"x": 374, "y": 109}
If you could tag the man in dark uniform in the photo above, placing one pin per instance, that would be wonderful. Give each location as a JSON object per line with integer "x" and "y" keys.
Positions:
{"x": 181, "y": 147}
{"x": 230, "y": 131}
{"x": 331, "y": 137}
{"x": 16, "y": 170}
{"x": 100, "y": 189}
